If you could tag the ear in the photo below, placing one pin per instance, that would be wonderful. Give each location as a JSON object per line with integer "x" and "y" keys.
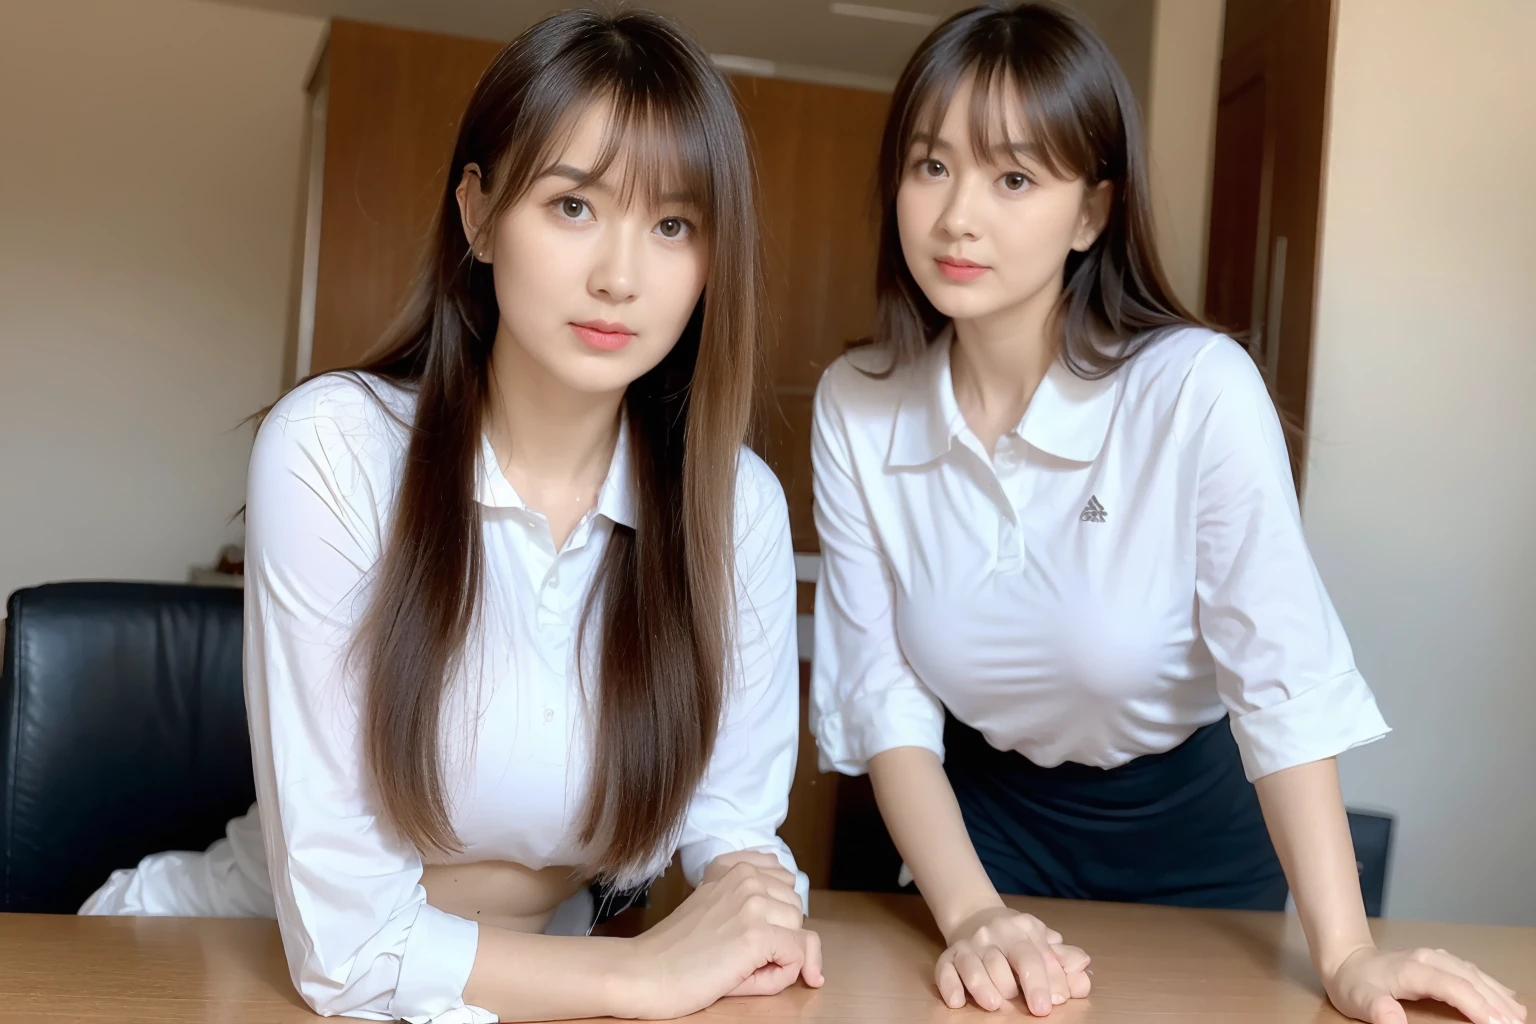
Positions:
{"x": 473, "y": 204}
{"x": 1094, "y": 215}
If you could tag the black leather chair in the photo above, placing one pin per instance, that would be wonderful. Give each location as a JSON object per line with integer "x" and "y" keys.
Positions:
{"x": 1372, "y": 835}
{"x": 122, "y": 733}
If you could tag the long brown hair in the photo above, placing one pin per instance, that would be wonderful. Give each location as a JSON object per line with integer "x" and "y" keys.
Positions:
{"x": 664, "y": 590}
{"x": 1083, "y": 116}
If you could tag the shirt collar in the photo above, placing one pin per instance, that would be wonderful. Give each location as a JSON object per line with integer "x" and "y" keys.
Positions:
{"x": 927, "y": 417}
{"x": 1068, "y": 417}
{"x": 615, "y": 501}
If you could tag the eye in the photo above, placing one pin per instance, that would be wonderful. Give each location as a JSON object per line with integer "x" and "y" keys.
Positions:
{"x": 930, "y": 168}
{"x": 573, "y": 207}
{"x": 674, "y": 228}
{"x": 1015, "y": 181}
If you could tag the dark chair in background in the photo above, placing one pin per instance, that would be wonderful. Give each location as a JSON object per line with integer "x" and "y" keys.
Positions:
{"x": 122, "y": 733}
{"x": 1372, "y": 834}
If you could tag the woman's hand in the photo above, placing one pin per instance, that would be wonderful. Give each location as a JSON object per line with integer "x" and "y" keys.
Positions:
{"x": 766, "y": 863}
{"x": 1368, "y": 983}
{"x": 738, "y": 934}
{"x": 998, "y": 954}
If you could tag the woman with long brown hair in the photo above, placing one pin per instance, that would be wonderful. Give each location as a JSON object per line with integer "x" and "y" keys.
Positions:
{"x": 519, "y": 603}
{"x": 1066, "y": 604}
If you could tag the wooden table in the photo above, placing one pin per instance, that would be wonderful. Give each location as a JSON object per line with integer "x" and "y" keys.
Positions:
{"x": 1150, "y": 964}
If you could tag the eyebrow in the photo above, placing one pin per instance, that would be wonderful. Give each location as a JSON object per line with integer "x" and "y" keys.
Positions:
{"x": 1023, "y": 147}
{"x": 581, "y": 177}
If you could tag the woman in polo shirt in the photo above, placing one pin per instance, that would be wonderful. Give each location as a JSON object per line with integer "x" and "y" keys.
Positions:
{"x": 1067, "y": 618}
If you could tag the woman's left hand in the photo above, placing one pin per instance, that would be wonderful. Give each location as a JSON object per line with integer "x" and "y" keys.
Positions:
{"x": 1369, "y": 982}
{"x": 766, "y": 863}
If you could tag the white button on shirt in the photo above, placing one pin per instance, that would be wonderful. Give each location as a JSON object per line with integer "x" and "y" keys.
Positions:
{"x": 359, "y": 935}
{"x": 1127, "y": 567}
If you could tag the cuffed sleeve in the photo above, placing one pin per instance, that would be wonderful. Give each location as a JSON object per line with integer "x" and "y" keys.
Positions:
{"x": 865, "y": 698}
{"x": 1284, "y": 666}
{"x": 744, "y": 796}
{"x": 359, "y": 936}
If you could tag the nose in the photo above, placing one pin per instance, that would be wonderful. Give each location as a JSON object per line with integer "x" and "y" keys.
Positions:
{"x": 957, "y": 221}
{"x": 615, "y": 276}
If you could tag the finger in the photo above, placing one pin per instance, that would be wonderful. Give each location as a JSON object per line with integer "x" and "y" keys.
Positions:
{"x": 791, "y": 948}
{"x": 782, "y": 893}
{"x": 1385, "y": 1010}
{"x": 1502, "y": 1001}
{"x": 1073, "y": 959}
{"x": 1053, "y": 937}
{"x": 780, "y": 957}
{"x": 1427, "y": 981}
{"x": 763, "y": 907}
{"x": 810, "y": 969}
{"x": 1075, "y": 963}
{"x": 756, "y": 858}
{"x": 977, "y": 983}
{"x": 1001, "y": 972}
{"x": 768, "y": 980}
{"x": 766, "y": 863}
{"x": 749, "y": 882}
{"x": 1034, "y": 982}
{"x": 951, "y": 988}
{"x": 1055, "y": 976}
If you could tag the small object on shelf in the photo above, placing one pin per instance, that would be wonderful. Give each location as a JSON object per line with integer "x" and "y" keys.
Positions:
{"x": 228, "y": 572}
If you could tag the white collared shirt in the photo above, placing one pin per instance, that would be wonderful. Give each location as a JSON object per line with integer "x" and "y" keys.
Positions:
{"x": 359, "y": 935}
{"x": 1128, "y": 567}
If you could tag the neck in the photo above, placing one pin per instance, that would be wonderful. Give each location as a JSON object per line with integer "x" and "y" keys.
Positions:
{"x": 998, "y": 361}
{"x": 543, "y": 432}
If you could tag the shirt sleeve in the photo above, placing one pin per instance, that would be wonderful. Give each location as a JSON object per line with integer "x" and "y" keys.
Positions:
{"x": 359, "y": 936}
{"x": 1284, "y": 666}
{"x": 744, "y": 796}
{"x": 865, "y": 698}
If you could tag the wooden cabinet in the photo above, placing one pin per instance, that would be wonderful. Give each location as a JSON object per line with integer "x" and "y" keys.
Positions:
{"x": 386, "y": 104}
{"x": 390, "y": 100}
{"x": 816, "y": 148}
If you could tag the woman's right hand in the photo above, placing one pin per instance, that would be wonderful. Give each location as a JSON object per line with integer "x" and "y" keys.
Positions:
{"x": 739, "y": 933}
{"x": 997, "y": 954}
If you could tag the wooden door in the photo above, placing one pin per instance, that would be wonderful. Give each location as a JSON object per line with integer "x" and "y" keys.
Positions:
{"x": 816, "y": 148}
{"x": 395, "y": 101}
{"x": 1266, "y": 200}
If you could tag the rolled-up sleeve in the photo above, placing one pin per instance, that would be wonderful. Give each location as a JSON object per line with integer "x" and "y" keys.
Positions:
{"x": 744, "y": 796}
{"x": 359, "y": 936}
{"x": 865, "y": 698}
{"x": 1284, "y": 666}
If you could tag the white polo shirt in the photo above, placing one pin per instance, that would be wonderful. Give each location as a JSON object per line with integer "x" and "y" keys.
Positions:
{"x": 1128, "y": 567}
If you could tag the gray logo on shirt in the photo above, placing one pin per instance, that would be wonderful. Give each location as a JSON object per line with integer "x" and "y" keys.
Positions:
{"x": 1093, "y": 512}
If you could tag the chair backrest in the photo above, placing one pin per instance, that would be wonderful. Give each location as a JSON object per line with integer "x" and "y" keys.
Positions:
{"x": 122, "y": 733}
{"x": 1372, "y": 835}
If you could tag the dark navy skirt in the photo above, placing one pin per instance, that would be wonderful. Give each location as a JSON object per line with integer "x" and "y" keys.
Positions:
{"x": 1181, "y": 828}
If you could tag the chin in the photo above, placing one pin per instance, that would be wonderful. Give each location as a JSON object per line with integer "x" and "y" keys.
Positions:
{"x": 955, "y": 302}
{"x": 601, "y": 373}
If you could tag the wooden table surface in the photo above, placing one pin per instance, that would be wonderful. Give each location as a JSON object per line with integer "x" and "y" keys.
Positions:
{"x": 1150, "y": 964}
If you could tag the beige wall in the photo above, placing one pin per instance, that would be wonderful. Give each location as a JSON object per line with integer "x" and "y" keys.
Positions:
{"x": 149, "y": 182}
{"x": 1183, "y": 76}
{"x": 1421, "y": 497}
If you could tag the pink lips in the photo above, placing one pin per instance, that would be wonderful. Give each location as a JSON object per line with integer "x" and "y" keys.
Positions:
{"x": 603, "y": 335}
{"x": 957, "y": 269}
